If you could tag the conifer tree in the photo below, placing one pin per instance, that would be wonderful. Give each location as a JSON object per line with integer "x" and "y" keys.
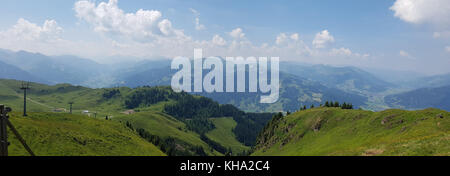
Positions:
{"x": 344, "y": 106}
{"x": 336, "y": 104}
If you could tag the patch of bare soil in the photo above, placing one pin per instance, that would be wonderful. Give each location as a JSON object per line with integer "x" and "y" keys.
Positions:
{"x": 372, "y": 152}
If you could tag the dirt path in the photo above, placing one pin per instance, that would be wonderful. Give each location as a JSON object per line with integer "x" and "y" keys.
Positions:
{"x": 33, "y": 101}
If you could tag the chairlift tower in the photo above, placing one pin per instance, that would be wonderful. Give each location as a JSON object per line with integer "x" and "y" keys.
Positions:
{"x": 25, "y": 87}
{"x": 70, "y": 103}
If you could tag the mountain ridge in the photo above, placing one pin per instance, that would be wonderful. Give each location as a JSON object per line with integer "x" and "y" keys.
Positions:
{"x": 334, "y": 131}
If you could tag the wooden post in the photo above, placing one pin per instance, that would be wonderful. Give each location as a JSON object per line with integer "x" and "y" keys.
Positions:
{"x": 4, "y": 122}
{"x": 3, "y": 132}
{"x": 19, "y": 137}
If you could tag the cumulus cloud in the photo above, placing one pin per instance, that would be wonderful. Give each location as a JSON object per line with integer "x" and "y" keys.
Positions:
{"x": 195, "y": 12}
{"x": 322, "y": 39}
{"x": 25, "y": 35}
{"x": 108, "y": 18}
{"x": 47, "y": 39}
{"x": 436, "y": 12}
{"x": 165, "y": 26}
{"x": 27, "y": 31}
{"x": 145, "y": 33}
{"x": 405, "y": 54}
{"x": 283, "y": 38}
{"x": 217, "y": 40}
{"x": 294, "y": 36}
{"x": 347, "y": 53}
{"x": 198, "y": 26}
{"x": 153, "y": 35}
{"x": 341, "y": 51}
{"x": 237, "y": 33}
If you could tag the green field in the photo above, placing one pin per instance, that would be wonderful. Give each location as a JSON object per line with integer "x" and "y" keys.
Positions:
{"x": 333, "y": 131}
{"x": 224, "y": 135}
{"x": 317, "y": 131}
{"x": 163, "y": 125}
{"x": 62, "y": 134}
{"x": 45, "y": 98}
{"x": 42, "y": 100}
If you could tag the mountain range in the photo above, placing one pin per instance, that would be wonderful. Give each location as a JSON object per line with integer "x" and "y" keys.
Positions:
{"x": 349, "y": 79}
{"x": 301, "y": 84}
{"x": 438, "y": 97}
{"x": 157, "y": 121}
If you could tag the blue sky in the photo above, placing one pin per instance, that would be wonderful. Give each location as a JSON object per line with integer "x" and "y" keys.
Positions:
{"x": 392, "y": 34}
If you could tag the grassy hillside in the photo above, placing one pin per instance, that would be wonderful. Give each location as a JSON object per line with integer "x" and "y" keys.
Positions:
{"x": 45, "y": 98}
{"x": 61, "y": 134}
{"x": 160, "y": 124}
{"x": 333, "y": 131}
{"x": 223, "y": 134}
{"x": 112, "y": 102}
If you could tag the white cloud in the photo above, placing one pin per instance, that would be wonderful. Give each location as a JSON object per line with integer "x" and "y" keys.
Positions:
{"x": 283, "y": 38}
{"x": 237, "y": 33}
{"x": 347, "y": 53}
{"x": 436, "y": 12}
{"x": 405, "y": 54}
{"x": 217, "y": 40}
{"x": 47, "y": 39}
{"x": 27, "y": 31}
{"x": 198, "y": 26}
{"x": 195, "y": 12}
{"x": 294, "y": 36}
{"x": 447, "y": 48}
{"x": 145, "y": 33}
{"x": 341, "y": 51}
{"x": 165, "y": 26}
{"x": 108, "y": 18}
{"x": 322, "y": 39}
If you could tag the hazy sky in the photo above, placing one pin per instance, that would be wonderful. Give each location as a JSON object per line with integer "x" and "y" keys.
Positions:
{"x": 394, "y": 34}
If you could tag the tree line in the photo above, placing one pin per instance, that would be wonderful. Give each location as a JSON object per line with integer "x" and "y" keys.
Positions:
{"x": 195, "y": 111}
{"x": 168, "y": 145}
{"x": 146, "y": 96}
{"x": 335, "y": 104}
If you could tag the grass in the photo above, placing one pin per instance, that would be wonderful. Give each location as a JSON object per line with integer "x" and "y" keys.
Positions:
{"x": 46, "y": 98}
{"x": 341, "y": 132}
{"x": 224, "y": 135}
{"x": 358, "y": 132}
{"x": 163, "y": 125}
{"x": 62, "y": 134}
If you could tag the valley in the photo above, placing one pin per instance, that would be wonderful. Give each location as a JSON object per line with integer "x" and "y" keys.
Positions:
{"x": 129, "y": 109}
{"x": 300, "y": 84}
{"x": 147, "y": 120}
